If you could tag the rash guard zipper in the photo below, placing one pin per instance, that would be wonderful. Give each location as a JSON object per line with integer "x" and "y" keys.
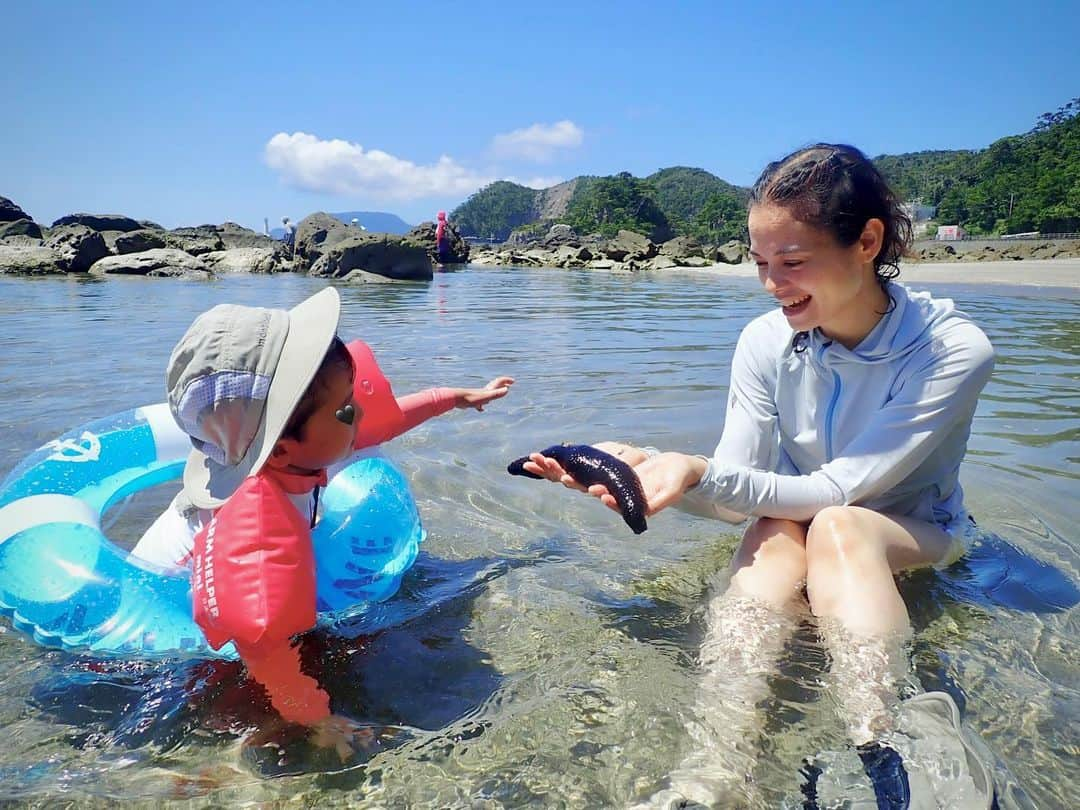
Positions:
{"x": 829, "y": 414}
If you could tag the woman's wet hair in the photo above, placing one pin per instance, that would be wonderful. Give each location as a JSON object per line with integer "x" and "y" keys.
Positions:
{"x": 837, "y": 188}
{"x": 336, "y": 359}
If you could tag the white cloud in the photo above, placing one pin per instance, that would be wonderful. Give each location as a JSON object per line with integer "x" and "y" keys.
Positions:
{"x": 538, "y": 142}
{"x": 340, "y": 167}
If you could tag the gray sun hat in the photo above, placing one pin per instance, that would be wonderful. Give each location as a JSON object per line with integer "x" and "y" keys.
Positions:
{"x": 235, "y": 378}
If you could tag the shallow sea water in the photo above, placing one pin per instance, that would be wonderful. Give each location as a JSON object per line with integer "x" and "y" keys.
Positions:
{"x": 545, "y": 656}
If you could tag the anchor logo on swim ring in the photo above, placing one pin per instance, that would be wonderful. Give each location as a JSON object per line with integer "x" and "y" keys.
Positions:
{"x": 88, "y": 448}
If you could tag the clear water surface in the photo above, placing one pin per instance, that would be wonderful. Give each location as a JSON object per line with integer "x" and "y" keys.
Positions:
{"x": 548, "y": 657}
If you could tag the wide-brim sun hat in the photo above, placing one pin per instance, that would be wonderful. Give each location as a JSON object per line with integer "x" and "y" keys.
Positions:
{"x": 309, "y": 328}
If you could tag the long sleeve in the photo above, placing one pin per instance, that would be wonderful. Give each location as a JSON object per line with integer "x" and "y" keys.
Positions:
{"x": 423, "y": 405}
{"x": 750, "y": 436}
{"x": 935, "y": 400}
{"x": 296, "y": 697}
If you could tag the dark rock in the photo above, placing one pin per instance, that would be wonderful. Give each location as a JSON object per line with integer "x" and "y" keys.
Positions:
{"x": 28, "y": 260}
{"x": 160, "y": 262}
{"x": 732, "y": 252}
{"x": 237, "y": 236}
{"x": 100, "y": 222}
{"x": 423, "y": 235}
{"x": 137, "y": 241}
{"x": 391, "y": 257}
{"x": 682, "y": 247}
{"x": 196, "y": 241}
{"x": 317, "y": 233}
{"x": 629, "y": 246}
{"x": 76, "y": 247}
{"x": 10, "y": 212}
{"x": 19, "y": 227}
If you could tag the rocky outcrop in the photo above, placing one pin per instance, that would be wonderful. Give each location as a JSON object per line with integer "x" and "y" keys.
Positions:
{"x": 10, "y": 212}
{"x": 196, "y": 241}
{"x": 245, "y": 260}
{"x": 99, "y": 222}
{"x": 135, "y": 241}
{"x": 76, "y": 247}
{"x": 317, "y": 233}
{"x": 28, "y": 260}
{"x": 386, "y": 256}
{"x": 994, "y": 250}
{"x": 237, "y": 236}
{"x": 733, "y": 252}
{"x": 20, "y": 227}
{"x": 160, "y": 262}
{"x": 626, "y": 251}
{"x": 423, "y": 235}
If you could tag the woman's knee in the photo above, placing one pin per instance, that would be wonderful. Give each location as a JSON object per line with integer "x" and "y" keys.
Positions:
{"x": 840, "y": 534}
{"x": 773, "y": 542}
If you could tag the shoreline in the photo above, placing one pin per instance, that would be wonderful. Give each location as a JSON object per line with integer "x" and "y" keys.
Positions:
{"x": 1060, "y": 273}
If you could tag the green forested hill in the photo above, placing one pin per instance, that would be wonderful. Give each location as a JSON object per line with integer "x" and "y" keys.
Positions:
{"x": 497, "y": 209}
{"x": 924, "y": 175}
{"x": 1028, "y": 182}
{"x": 1020, "y": 183}
{"x": 682, "y": 191}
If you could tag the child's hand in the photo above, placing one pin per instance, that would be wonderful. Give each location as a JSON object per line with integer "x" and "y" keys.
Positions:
{"x": 345, "y": 736}
{"x": 479, "y": 397}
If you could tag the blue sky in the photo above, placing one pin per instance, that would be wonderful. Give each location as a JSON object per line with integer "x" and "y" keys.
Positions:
{"x": 202, "y": 112}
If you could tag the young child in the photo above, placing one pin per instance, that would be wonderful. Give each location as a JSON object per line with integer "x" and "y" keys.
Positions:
{"x": 271, "y": 399}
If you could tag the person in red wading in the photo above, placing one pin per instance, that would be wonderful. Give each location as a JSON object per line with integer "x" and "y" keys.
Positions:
{"x": 442, "y": 240}
{"x": 272, "y": 398}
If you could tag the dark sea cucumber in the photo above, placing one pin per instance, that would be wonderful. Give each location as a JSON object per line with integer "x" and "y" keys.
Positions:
{"x": 590, "y": 466}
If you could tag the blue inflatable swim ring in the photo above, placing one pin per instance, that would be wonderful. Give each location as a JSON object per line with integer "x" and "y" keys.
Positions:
{"x": 64, "y": 583}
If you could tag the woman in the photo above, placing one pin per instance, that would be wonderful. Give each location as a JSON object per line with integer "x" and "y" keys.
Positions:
{"x": 848, "y": 412}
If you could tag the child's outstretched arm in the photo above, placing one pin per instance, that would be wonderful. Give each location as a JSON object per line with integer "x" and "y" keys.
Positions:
{"x": 423, "y": 405}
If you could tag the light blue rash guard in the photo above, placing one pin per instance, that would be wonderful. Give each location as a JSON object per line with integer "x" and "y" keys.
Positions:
{"x": 884, "y": 425}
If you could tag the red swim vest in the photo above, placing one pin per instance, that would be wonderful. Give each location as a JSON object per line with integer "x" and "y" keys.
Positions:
{"x": 253, "y": 577}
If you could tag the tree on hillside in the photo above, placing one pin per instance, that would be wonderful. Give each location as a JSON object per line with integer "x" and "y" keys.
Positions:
{"x": 682, "y": 192}
{"x": 1022, "y": 183}
{"x": 620, "y": 202}
{"x": 721, "y": 218}
{"x": 495, "y": 210}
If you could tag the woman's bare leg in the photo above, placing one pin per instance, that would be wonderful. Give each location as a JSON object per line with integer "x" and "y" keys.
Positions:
{"x": 852, "y": 556}
{"x": 746, "y": 627}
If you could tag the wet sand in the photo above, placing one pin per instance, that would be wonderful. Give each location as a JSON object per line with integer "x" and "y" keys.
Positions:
{"x": 1032, "y": 273}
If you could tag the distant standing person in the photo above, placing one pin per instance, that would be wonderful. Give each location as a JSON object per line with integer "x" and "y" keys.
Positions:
{"x": 290, "y": 233}
{"x": 442, "y": 240}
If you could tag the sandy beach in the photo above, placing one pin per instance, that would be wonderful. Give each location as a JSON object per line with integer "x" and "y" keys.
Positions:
{"x": 1034, "y": 273}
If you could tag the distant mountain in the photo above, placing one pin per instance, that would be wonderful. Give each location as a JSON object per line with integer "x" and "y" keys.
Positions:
{"x": 674, "y": 200}
{"x": 378, "y": 221}
{"x": 375, "y": 221}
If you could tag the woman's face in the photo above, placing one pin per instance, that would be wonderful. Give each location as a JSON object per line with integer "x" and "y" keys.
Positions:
{"x": 815, "y": 280}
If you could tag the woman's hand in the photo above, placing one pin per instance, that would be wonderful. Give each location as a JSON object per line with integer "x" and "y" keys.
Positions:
{"x": 552, "y": 470}
{"x": 479, "y": 397}
{"x": 664, "y": 477}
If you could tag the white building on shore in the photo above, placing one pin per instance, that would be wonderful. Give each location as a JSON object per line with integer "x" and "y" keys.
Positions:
{"x": 950, "y": 233}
